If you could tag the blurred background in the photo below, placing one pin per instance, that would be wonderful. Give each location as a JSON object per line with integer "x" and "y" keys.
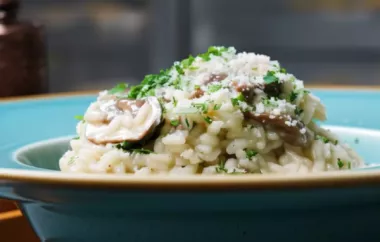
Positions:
{"x": 94, "y": 44}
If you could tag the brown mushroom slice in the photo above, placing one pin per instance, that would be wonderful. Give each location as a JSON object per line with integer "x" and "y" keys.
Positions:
{"x": 273, "y": 89}
{"x": 128, "y": 120}
{"x": 215, "y": 78}
{"x": 290, "y": 134}
{"x": 197, "y": 93}
{"x": 249, "y": 91}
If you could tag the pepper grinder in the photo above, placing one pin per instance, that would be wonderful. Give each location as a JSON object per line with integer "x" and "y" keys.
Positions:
{"x": 22, "y": 54}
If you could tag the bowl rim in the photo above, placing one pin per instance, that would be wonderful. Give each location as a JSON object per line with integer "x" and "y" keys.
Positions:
{"x": 218, "y": 182}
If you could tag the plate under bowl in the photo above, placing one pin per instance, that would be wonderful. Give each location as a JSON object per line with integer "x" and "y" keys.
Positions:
{"x": 342, "y": 206}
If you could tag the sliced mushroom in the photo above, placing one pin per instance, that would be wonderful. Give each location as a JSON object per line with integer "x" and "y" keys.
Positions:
{"x": 215, "y": 78}
{"x": 127, "y": 120}
{"x": 197, "y": 93}
{"x": 273, "y": 89}
{"x": 249, "y": 91}
{"x": 290, "y": 134}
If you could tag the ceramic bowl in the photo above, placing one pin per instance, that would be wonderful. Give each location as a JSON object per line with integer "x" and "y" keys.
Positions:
{"x": 333, "y": 206}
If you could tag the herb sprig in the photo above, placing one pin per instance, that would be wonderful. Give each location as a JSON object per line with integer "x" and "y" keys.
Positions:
{"x": 326, "y": 140}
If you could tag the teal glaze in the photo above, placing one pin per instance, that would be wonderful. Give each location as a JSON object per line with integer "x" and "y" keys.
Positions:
{"x": 63, "y": 213}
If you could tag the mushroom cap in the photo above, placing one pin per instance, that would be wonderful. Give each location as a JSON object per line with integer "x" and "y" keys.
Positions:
{"x": 127, "y": 120}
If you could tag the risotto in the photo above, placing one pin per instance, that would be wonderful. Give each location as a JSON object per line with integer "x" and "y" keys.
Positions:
{"x": 221, "y": 112}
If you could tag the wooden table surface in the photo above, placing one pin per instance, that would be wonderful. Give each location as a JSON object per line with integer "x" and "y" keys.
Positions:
{"x": 13, "y": 225}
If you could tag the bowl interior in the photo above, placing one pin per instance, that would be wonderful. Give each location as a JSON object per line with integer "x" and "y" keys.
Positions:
{"x": 46, "y": 154}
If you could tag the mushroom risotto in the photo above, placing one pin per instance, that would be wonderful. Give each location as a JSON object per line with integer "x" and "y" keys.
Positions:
{"x": 220, "y": 112}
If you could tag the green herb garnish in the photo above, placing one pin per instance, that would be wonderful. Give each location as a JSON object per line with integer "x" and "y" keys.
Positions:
{"x": 214, "y": 88}
{"x": 349, "y": 165}
{"x": 323, "y": 139}
{"x": 124, "y": 145}
{"x": 213, "y": 50}
{"x": 217, "y": 106}
{"x": 142, "y": 151}
{"x": 340, "y": 163}
{"x": 208, "y": 119}
{"x": 186, "y": 63}
{"x": 121, "y": 87}
{"x": 187, "y": 123}
{"x": 298, "y": 111}
{"x": 203, "y": 107}
{"x": 175, "y": 122}
{"x": 221, "y": 167}
{"x": 282, "y": 70}
{"x": 179, "y": 69}
{"x": 76, "y": 138}
{"x": 250, "y": 153}
{"x": 326, "y": 140}
{"x": 175, "y": 102}
{"x": 240, "y": 98}
{"x": 149, "y": 84}
{"x": 197, "y": 87}
{"x": 79, "y": 117}
{"x": 270, "y": 77}
{"x": 293, "y": 96}
{"x": 72, "y": 160}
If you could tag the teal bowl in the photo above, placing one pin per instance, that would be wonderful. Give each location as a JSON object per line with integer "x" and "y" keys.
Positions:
{"x": 333, "y": 206}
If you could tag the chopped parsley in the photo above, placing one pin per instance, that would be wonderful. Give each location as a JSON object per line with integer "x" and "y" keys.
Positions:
{"x": 270, "y": 77}
{"x": 240, "y": 98}
{"x": 76, "y": 138}
{"x": 124, "y": 145}
{"x": 197, "y": 87}
{"x": 250, "y": 153}
{"x": 72, "y": 160}
{"x": 187, "y": 122}
{"x": 298, "y": 111}
{"x": 175, "y": 122}
{"x": 121, "y": 87}
{"x": 221, "y": 167}
{"x": 208, "y": 119}
{"x": 127, "y": 147}
{"x": 282, "y": 70}
{"x": 213, "y": 50}
{"x": 306, "y": 92}
{"x": 79, "y": 117}
{"x": 186, "y": 63}
{"x": 149, "y": 84}
{"x": 162, "y": 104}
{"x": 266, "y": 102}
{"x": 217, "y": 106}
{"x": 179, "y": 69}
{"x": 326, "y": 140}
{"x": 214, "y": 88}
{"x": 340, "y": 163}
{"x": 293, "y": 96}
{"x": 203, "y": 107}
{"x": 142, "y": 151}
{"x": 175, "y": 102}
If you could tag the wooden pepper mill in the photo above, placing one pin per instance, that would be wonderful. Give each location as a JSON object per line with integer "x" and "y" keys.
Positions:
{"x": 22, "y": 54}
